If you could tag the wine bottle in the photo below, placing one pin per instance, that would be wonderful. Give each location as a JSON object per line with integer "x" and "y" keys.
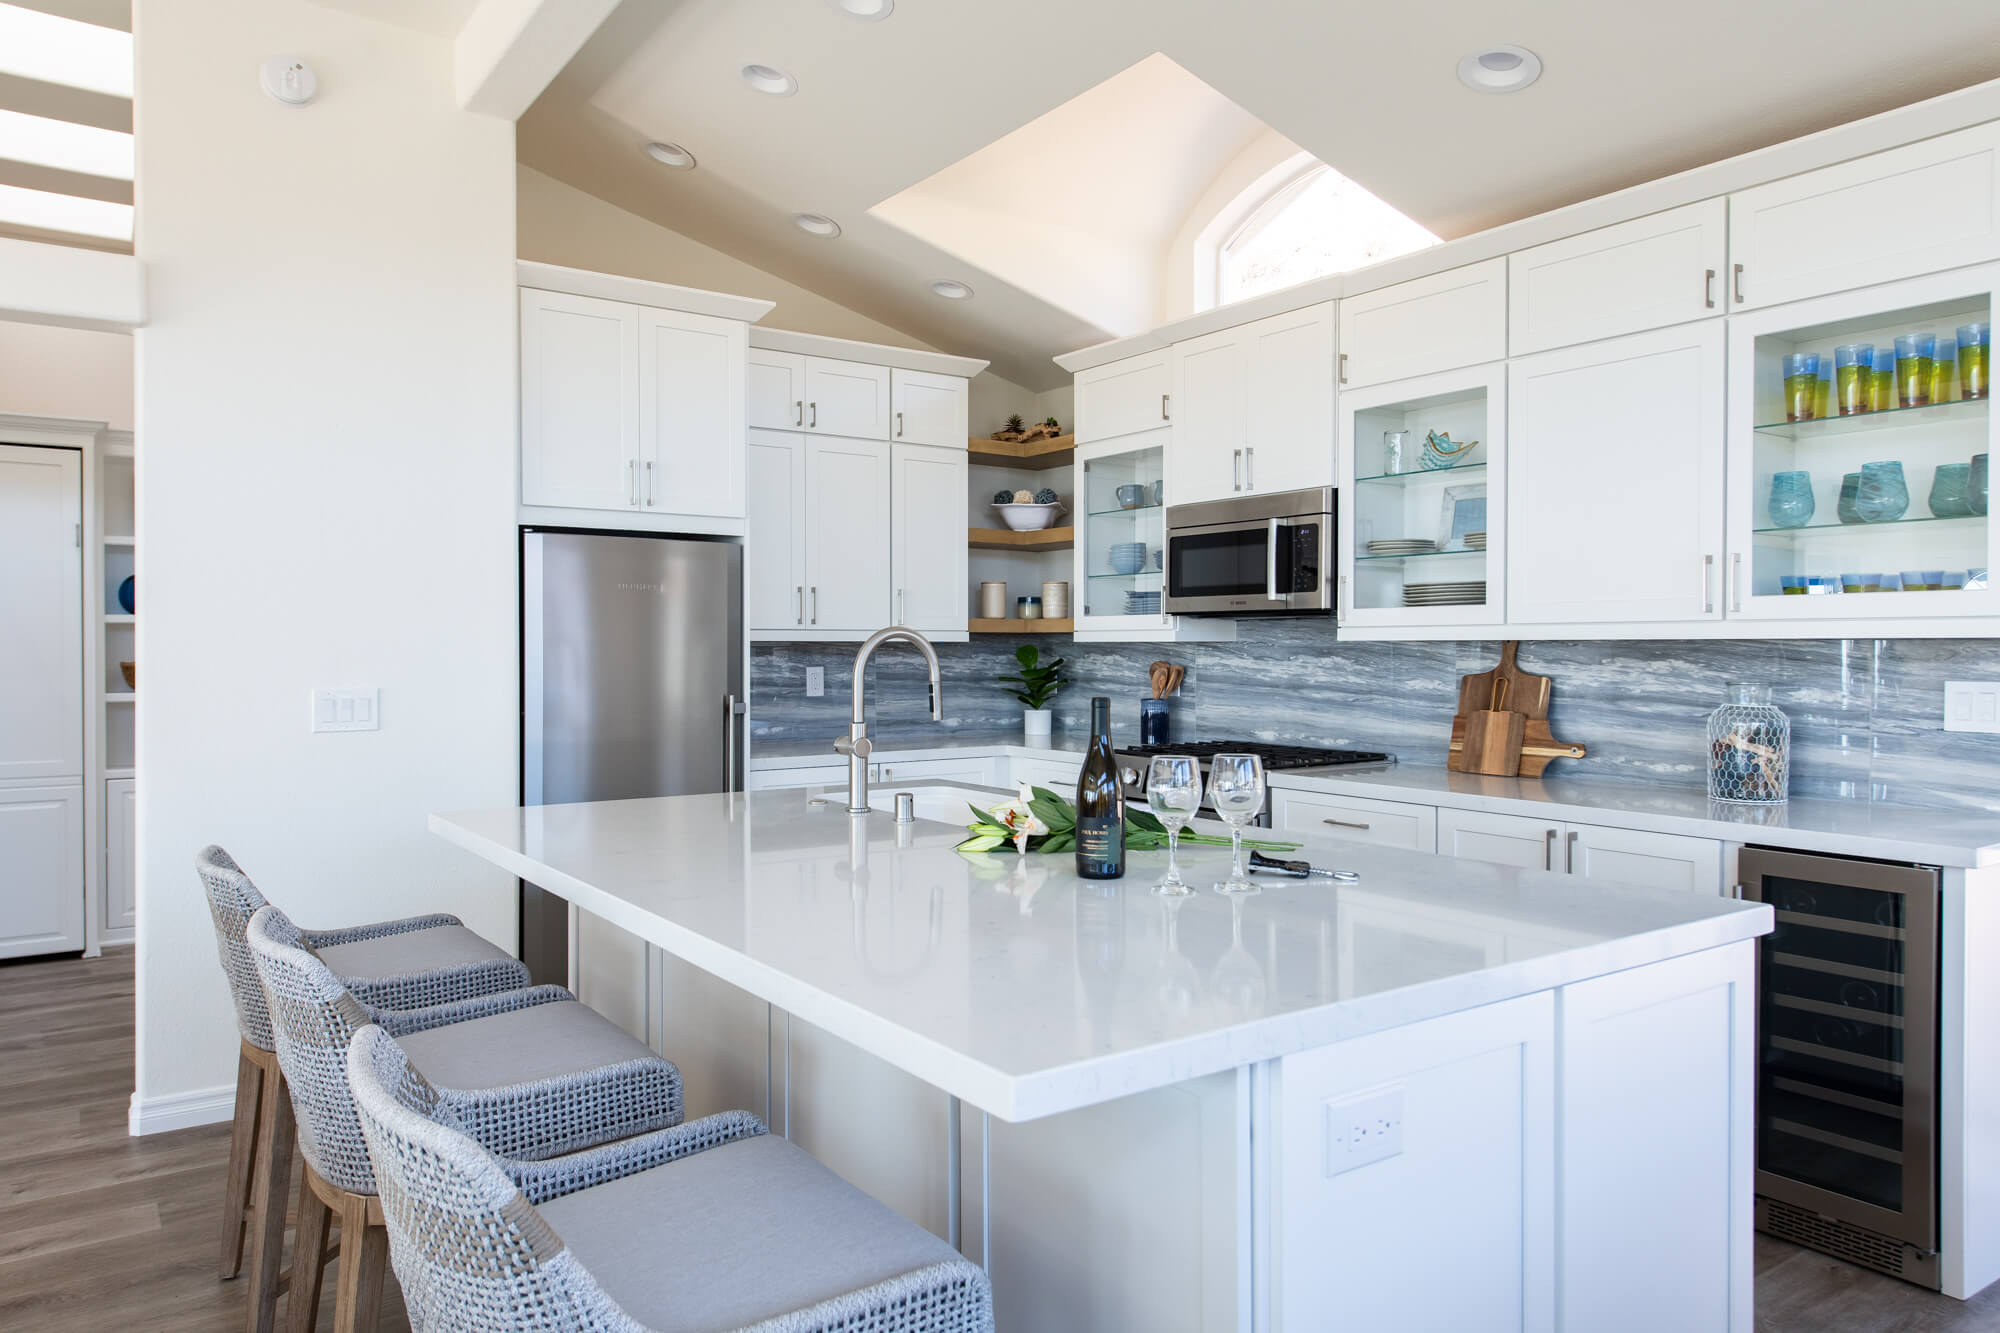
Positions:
{"x": 1100, "y": 803}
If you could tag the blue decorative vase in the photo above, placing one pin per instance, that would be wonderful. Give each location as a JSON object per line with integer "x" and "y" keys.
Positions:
{"x": 1948, "y": 490}
{"x": 1791, "y": 499}
{"x": 1884, "y": 496}
{"x": 125, "y": 594}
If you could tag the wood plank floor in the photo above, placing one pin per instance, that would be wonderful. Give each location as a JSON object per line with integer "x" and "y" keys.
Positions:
{"x": 101, "y": 1231}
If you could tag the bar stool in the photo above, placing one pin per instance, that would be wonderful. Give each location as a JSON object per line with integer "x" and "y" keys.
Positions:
{"x": 400, "y": 964}
{"x": 528, "y": 1073}
{"x": 709, "y": 1226}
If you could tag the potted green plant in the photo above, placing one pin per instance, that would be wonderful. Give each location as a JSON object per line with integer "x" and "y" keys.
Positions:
{"x": 1038, "y": 685}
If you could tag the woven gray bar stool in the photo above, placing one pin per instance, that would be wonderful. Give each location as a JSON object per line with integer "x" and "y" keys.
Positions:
{"x": 711, "y": 1226}
{"x": 529, "y": 1073}
{"x": 404, "y": 964}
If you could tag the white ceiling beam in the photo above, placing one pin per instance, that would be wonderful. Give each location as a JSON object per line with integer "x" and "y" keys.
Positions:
{"x": 509, "y": 50}
{"x": 70, "y": 287}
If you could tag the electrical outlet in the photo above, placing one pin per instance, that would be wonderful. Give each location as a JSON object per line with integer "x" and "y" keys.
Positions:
{"x": 815, "y": 682}
{"x": 1972, "y": 705}
{"x": 347, "y": 710}
{"x": 1364, "y": 1129}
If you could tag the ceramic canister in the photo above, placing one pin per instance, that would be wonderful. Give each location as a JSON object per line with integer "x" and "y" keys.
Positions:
{"x": 1055, "y": 600}
{"x": 993, "y": 601}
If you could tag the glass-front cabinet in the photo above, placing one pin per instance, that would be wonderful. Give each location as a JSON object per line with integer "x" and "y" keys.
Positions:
{"x": 1120, "y": 520}
{"x": 1423, "y": 501}
{"x": 1859, "y": 437}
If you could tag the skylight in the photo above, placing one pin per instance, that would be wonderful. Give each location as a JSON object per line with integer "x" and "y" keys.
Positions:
{"x": 49, "y": 49}
{"x": 1317, "y": 224}
{"x": 70, "y": 147}
{"x": 65, "y": 212}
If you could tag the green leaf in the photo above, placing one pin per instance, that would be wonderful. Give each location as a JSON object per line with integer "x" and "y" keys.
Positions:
{"x": 1027, "y": 654}
{"x": 1143, "y": 819}
{"x": 1055, "y": 814}
{"x": 980, "y": 816}
{"x": 1043, "y": 793}
{"x": 1058, "y": 842}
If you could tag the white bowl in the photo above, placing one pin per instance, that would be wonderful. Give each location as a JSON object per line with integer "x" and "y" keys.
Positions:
{"x": 1028, "y": 517}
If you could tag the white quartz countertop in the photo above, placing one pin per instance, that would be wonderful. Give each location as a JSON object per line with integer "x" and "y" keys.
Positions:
{"x": 1841, "y": 828}
{"x": 1026, "y": 991}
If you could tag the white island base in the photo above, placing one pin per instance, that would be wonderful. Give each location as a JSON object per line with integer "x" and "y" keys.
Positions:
{"x": 1451, "y": 1096}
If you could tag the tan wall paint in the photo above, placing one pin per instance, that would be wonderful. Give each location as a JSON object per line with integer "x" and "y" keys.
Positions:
{"x": 51, "y": 372}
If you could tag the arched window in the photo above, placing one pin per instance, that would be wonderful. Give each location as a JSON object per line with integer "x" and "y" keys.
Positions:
{"x": 1314, "y": 223}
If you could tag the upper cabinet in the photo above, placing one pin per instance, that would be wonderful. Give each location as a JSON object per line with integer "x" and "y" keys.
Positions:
{"x": 847, "y": 398}
{"x": 691, "y": 384}
{"x": 1125, "y": 397}
{"x": 1669, "y": 268}
{"x": 775, "y": 390}
{"x": 1917, "y": 209}
{"x": 927, "y": 535}
{"x": 930, "y": 409}
{"x": 1254, "y": 408}
{"x": 1452, "y": 319}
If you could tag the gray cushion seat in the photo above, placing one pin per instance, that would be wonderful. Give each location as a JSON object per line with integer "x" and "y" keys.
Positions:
{"x": 740, "y": 1233}
{"x": 436, "y": 949}
{"x": 521, "y": 1046}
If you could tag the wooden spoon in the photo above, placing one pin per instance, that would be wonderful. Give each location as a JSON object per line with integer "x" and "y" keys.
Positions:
{"x": 1175, "y": 675}
{"x": 1157, "y": 673}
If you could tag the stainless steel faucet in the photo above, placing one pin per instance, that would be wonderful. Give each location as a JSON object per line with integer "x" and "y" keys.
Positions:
{"x": 855, "y": 744}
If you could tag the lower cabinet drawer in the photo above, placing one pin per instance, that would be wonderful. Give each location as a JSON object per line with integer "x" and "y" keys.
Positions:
{"x": 1357, "y": 819}
{"x": 927, "y": 770}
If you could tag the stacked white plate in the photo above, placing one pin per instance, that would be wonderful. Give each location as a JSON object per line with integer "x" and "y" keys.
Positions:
{"x": 1444, "y": 594}
{"x": 1142, "y": 603}
{"x": 1475, "y": 541}
{"x": 1401, "y": 546}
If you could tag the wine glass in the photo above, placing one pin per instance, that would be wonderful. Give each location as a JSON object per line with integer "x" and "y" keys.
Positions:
{"x": 1173, "y": 790}
{"x": 1236, "y": 790}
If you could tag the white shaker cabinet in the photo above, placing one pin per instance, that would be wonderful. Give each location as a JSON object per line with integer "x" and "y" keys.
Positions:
{"x": 1205, "y": 451}
{"x": 1254, "y": 408}
{"x": 775, "y": 390}
{"x": 41, "y": 845}
{"x": 1668, "y": 268}
{"x": 579, "y": 401}
{"x": 1616, "y": 481}
{"x": 1512, "y": 840}
{"x": 930, "y": 409}
{"x": 847, "y": 534}
{"x": 1355, "y": 819}
{"x": 1125, "y": 397}
{"x": 1451, "y": 319}
{"x": 121, "y": 853}
{"x": 775, "y": 555}
{"x": 1628, "y": 856}
{"x": 927, "y": 539}
{"x": 847, "y": 398}
{"x": 691, "y": 398}
{"x": 1920, "y": 208}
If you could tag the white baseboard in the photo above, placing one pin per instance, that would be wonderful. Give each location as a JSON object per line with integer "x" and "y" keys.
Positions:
{"x": 180, "y": 1110}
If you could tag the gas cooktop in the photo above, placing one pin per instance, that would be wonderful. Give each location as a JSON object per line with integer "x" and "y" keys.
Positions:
{"x": 1275, "y": 757}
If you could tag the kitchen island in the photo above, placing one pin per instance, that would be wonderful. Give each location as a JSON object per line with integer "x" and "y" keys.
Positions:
{"x": 1322, "y": 1106}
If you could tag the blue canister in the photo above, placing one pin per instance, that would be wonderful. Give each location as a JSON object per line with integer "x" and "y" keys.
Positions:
{"x": 1152, "y": 722}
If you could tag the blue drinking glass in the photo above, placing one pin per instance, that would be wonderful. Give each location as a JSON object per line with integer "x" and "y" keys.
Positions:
{"x": 1948, "y": 499}
{"x": 1850, "y": 486}
{"x": 1975, "y": 485}
{"x": 1791, "y": 503}
{"x": 1884, "y": 496}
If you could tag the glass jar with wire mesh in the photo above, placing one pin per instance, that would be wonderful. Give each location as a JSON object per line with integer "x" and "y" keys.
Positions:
{"x": 1749, "y": 747}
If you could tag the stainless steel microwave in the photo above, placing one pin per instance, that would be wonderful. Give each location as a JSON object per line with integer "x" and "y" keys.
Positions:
{"x": 1257, "y": 555}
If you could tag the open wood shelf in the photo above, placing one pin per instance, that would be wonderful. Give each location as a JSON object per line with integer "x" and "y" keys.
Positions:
{"x": 1013, "y": 625}
{"x": 1003, "y": 539}
{"x": 1032, "y": 454}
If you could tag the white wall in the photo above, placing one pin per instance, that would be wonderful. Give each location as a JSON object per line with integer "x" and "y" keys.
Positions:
{"x": 78, "y": 373}
{"x": 326, "y": 396}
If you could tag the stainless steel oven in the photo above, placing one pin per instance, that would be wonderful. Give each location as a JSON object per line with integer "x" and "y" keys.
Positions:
{"x": 1847, "y": 1034}
{"x": 1258, "y": 555}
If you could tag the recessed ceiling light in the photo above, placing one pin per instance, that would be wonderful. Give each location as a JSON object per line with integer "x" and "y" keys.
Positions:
{"x": 816, "y": 223}
{"x": 670, "y": 155}
{"x": 1500, "y": 69}
{"x": 951, "y": 290}
{"x": 766, "y": 79}
{"x": 865, "y": 9}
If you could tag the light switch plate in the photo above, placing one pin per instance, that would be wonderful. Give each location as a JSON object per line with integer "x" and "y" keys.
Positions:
{"x": 1972, "y": 705}
{"x": 1364, "y": 1129}
{"x": 347, "y": 710}
{"x": 815, "y": 682}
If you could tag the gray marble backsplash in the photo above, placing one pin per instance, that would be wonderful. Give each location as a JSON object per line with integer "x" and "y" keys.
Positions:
{"x": 1867, "y": 714}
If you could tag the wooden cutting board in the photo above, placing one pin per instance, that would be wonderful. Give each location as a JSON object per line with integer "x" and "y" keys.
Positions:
{"x": 1522, "y": 692}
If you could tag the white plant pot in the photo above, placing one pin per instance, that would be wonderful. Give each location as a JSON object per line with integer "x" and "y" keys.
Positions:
{"x": 1037, "y": 721}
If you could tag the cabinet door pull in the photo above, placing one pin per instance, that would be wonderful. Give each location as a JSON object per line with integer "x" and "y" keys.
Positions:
{"x": 1548, "y": 849}
{"x": 799, "y": 412}
{"x": 1236, "y": 470}
{"x": 1736, "y": 582}
{"x": 1569, "y": 854}
{"x": 649, "y": 483}
{"x": 899, "y": 425}
{"x": 815, "y": 600}
{"x": 1343, "y": 367}
{"x": 1249, "y": 462}
{"x": 1344, "y": 823}
{"x": 635, "y": 481}
{"x": 1708, "y": 288}
{"x": 1163, "y": 407}
{"x": 814, "y": 423}
{"x": 1708, "y": 585}
{"x": 1738, "y": 275}
{"x": 899, "y": 606}
{"x": 800, "y": 619}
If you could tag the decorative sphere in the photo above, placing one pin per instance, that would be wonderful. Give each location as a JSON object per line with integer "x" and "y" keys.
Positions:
{"x": 1024, "y": 497}
{"x": 1045, "y": 496}
{"x": 1003, "y": 497}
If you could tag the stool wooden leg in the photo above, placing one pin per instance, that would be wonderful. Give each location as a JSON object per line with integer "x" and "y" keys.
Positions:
{"x": 364, "y": 1257}
{"x": 242, "y": 1145}
{"x": 267, "y": 1226}
{"x": 308, "y": 1271}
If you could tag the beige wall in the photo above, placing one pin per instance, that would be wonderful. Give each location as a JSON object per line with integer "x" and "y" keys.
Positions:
{"x": 52, "y": 372}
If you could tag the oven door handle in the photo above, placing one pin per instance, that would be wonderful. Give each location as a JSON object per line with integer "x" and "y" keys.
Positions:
{"x": 1271, "y": 593}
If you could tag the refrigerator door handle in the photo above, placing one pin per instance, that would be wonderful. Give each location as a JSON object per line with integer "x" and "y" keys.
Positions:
{"x": 731, "y": 707}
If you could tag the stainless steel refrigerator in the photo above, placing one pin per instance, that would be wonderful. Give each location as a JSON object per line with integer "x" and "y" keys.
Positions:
{"x": 631, "y": 683}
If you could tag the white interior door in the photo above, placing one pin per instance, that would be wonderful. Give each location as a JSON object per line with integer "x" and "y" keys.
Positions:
{"x": 1288, "y": 436}
{"x": 1205, "y": 454}
{"x": 847, "y": 398}
{"x": 774, "y": 573}
{"x": 41, "y": 848}
{"x": 1508, "y": 839}
{"x": 1616, "y": 486}
{"x": 932, "y": 584}
{"x": 41, "y": 615}
{"x": 579, "y": 401}
{"x": 776, "y": 390}
{"x": 847, "y": 534}
{"x": 691, "y": 412}
{"x": 930, "y": 409}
